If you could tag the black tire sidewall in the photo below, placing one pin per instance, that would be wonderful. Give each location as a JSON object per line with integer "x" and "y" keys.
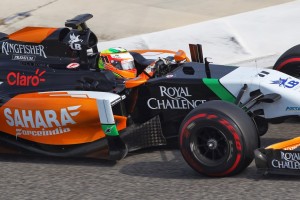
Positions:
{"x": 238, "y": 129}
{"x": 292, "y": 52}
{"x": 291, "y": 58}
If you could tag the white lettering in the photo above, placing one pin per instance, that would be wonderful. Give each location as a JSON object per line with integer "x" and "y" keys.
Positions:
{"x": 173, "y": 92}
{"x": 42, "y": 132}
{"x": 154, "y": 104}
{"x": 65, "y": 117}
{"x": 290, "y": 160}
{"x": 9, "y": 119}
{"x": 8, "y": 48}
{"x": 40, "y": 119}
{"x": 27, "y": 118}
{"x": 176, "y": 99}
{"x": 18, "y": 120}
{"x": 50, "y": 116}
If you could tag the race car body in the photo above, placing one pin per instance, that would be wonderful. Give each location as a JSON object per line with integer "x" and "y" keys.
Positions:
{"x": 267, "y": 81}
{"x": 50, "y": 47}
{"x": 279, "y": 158}
{"x": 56, "y": 101}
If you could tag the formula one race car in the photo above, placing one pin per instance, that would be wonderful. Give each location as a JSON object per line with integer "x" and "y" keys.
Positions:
{"x": 283, "y": 157}
{"x": 56, "y": 101}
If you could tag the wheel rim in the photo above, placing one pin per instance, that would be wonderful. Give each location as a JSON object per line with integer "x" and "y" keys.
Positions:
{"x": 210, "y": 146}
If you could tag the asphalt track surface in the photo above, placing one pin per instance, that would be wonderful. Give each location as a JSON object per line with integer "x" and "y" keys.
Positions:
{"x": 159, "y": 173}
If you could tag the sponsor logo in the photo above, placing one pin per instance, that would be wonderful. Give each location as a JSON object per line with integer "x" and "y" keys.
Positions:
{"x": 9, "y": 48}
{"x": 263, "y": 73}
{"x": 285, "y": 83}
{"x": 290, "y": 108}
{"x": 40, "y": 119}
{"x": 169, "y": 76}
{"x": 73, "y": 42}
{"x": 289, "y": 160}
{"x": 176, "y": 98}
{"x": 108, "y": 130}
{"x": 18, "y": 79}
{"x": 73, "y": 65}
{"x": 23, "y": 57}
{"x": 48, "y": 122}
{"x": 43, "y": 132}
{"x": 115, "y": 56}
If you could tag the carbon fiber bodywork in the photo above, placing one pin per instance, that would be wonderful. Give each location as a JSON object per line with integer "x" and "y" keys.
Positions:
{"x": 271, "y": 161}
{"x": 144, "y": 135}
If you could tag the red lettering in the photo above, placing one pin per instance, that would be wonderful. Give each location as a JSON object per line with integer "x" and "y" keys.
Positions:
{"x": 28, "y": 80}
{"x": 14, "y": 78}
{"x": 11, "y": 78}
{"x": 22, "y": 81}
{"x": 35, "y": 81}
{"x": 234, "y": 133}
{"x": 186, "y": 132}
{"x": 18, "y": 78}
{"x": 211, "y": 117}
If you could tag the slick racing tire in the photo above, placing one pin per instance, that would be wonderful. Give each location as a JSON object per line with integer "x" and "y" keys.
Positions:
{"x": 289, "y": 62}
{"x": 218, "y": 139}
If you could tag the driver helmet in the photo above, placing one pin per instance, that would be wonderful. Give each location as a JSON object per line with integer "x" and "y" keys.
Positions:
{"x": 119, "y": 61}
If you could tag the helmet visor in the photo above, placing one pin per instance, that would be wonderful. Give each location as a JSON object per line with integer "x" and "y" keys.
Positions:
{"x": 127, "y": 64}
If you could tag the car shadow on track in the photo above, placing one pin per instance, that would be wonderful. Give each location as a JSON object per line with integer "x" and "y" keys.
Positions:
{"x": 55, "y": 160}
{"x": 259, "y": 176}
{"x": 175, "y": 168}
{"x": 170, "y": 165}
{"x": 178, "y": 169}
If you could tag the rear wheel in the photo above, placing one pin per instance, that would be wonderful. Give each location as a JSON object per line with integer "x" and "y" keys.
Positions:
{"x": 218, "y": 139}
{"x": 289, "y": 62}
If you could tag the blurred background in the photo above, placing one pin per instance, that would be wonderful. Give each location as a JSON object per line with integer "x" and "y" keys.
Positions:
{"x": 114, "y": 19}
{"x": 234, "y": 32}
